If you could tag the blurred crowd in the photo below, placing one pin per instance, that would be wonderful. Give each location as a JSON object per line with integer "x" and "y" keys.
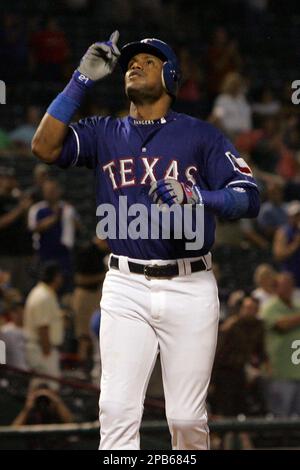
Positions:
{"x": 50, "y": 284}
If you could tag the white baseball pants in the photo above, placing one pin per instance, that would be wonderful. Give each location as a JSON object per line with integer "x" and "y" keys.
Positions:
{"x": 176, "y": 317}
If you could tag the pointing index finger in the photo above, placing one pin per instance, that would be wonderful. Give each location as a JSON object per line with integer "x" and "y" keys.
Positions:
{"x": 114, "y": 37}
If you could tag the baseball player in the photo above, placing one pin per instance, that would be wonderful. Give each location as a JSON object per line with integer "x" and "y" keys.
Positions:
{"x": 158, "y": 296}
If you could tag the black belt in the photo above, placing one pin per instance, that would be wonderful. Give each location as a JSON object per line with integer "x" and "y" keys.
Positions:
{"x": 158, "y": 271}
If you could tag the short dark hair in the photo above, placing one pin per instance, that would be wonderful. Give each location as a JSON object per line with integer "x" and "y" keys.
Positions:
{"x": 49, "y": 271}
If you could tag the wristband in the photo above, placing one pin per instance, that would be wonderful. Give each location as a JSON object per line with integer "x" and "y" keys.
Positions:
{"x": 69, "y": 100}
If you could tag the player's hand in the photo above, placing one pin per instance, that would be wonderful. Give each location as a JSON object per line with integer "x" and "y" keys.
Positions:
{"x": 170, "y": 191}
{"x": 100, "y": 59}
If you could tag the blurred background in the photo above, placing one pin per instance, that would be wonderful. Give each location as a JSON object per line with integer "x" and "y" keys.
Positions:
{"x": 238, "y": 59}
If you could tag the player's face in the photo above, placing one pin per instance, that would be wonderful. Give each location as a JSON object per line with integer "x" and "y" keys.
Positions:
{"x": 143, "y": 77}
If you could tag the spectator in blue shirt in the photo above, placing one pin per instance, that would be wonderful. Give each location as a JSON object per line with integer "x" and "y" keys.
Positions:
{"x": 272, "y": 213}
{"x": 287, "y": 242}
{"x": 53, "y": 223}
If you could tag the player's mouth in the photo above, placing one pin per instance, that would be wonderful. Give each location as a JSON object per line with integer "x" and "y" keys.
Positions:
{"x": 136, "y": 73}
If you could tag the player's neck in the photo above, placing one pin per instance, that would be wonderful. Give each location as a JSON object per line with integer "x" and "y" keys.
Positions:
{"x": 149, "y": 111}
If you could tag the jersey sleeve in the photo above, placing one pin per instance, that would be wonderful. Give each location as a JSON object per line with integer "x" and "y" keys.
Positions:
{"x": 80, "y": 145}
{"x": 222, "y": 166}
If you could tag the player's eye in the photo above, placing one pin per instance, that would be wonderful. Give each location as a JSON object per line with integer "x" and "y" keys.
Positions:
{"x": 149, "y": 61}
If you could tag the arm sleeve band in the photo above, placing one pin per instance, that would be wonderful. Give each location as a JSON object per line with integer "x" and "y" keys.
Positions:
{"x": 232, "y": 203}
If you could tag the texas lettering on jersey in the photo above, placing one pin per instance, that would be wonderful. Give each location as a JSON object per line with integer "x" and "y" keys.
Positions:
{"x": 121, "y": 172}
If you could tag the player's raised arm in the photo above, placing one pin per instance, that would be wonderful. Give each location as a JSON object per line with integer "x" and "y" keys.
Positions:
{"x": 98, "y": 62}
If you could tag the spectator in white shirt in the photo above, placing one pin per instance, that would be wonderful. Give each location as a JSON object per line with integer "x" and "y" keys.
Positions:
{"x": 13, "y": 335}
{"x": 231, "y": 111}
{"x": 44, "y": 323}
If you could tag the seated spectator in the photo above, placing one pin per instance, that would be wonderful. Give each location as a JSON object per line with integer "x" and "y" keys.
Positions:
{"x": 12, "y": 333}
{"x": 264, "y": 279}
{"x": 53, "y": 223}
{"x": 231, "y": 111}
{"x": 286, "y": 247}
{"x": 23, "y": 134}
{"x": 44, "y": 323}
{"x": 282, "y": 322}
{"x": 272, "y": 212}
{"x": 15, "y": 239}
{"x": 43, "y": 406}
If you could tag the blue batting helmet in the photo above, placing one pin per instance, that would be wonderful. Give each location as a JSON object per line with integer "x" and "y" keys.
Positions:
{"x": 170, "y": 71}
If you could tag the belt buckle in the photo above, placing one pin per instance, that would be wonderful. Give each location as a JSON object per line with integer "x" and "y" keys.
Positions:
{"x": 149, "y": 277}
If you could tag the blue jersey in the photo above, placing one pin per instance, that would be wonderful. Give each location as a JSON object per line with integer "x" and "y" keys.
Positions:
{"x": 127, "y": 155}
{"x": 50, "y": 243}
